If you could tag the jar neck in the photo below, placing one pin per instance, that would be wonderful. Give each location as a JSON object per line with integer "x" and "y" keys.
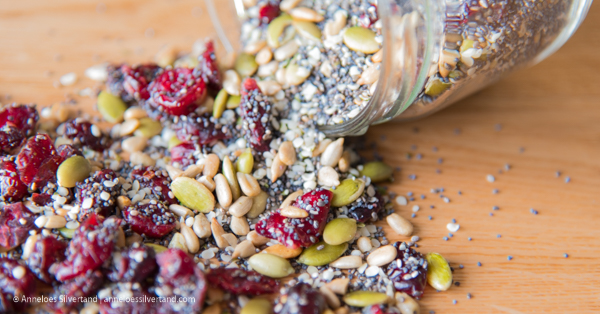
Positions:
{"x": 413, "y": 34}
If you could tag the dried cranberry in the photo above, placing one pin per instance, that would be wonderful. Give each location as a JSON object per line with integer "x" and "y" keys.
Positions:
{"x": 83, "y": 133}
{"x": 268, "y": 12}
{"x": 137, "y": 78}
{"x": 69, "y": 293}
{"x": 179, "y": 277}
{"x": 409, "y": 271}
{"x": 184, "y": 154}
{"x": 177, "y": 92}
{"x": 15, "y": 223}
{"x": 92, "y": 245}
{"x": 156, "y": 182}
{"x": 209, "y": 68}
{"x": 300, "y": 299}
{"x": 11, "y": 138}
{"x": 133, "y": 264}
{"x": 299, "y": 232}
{"x": 200, "y": 129}
{"x": 42, "y": 199}
{"x": 240, "y": 281}
{"x": 47, "y": 251}
{"x": 12, "y": 189}
{"x": 152, "y": 219}
{"x": 140, "y": 301}
{"x": 16, "y": 282}
{"x": 97, "y": 193}
{"x": 256, "y": 114}
{"x": 366, "y": 208}
{"x": 67, "y": 150}
{"x": 374, "y": 309}
{"x": 47, "y": 171}
{"x": 35, "y": 152}
{"x": 23, "y": 117}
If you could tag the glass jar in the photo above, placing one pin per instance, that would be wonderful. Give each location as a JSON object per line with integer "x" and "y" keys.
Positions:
{"x": 436, "y": 52}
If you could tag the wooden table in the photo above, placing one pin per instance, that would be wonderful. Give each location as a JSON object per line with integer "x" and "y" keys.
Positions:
{"x": 539, "y": 121}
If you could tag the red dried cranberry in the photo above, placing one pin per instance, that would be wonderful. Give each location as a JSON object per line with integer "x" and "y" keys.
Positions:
{"x": 42, "y": 199}
{"x": 152, "y": 219}
{"x": 133, "y": 264}
{"x": 157, "y": 182}
{"x": 300, "y": 299}
{"x": 201, "y": 130}
{"x": 12, "y": 189}
{"x": 137, "y": 78}
{"x": 177, "y": 92}
{"x": 209, "y": 67}
{"x": 240, "y": 281}
{"x": 97, "y": 193}
{"x": 299, "y": 232}
{"x": 16, "y": 282}
{"x": 408, "y": 272}
{"x": 23, "y": 117}
{"x": 35, "y": 152}
{"x": 47, "y": 251}
{"x": 92, "y": 245}
{"x": 11, "y": 138}
{"x": 83, "y": 133}
{"x": 66, "y": 150}
{"x": 47, "y": 171}
{"x": 15, "y": 223}
{"x": 140, "y": 301}
{"x": 184, "y": 154}
{"x": 366, "y": 208}
{"x": 268, "y": 12}
{"x": 69, "y": 293}
{"x": 256, "y": 114}
{"x": 178, "y": 270}
{"x": 374, "y": 309}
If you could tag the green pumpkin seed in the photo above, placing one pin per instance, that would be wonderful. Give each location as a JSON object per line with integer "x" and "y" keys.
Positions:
{"x": 259, "y": 204}
{"x": 439, "y": 274}
{"x": 74, "y": 169}
{"x": 66, "y": 232}
{"x": 230, "y": 174}
{"x": 257, "y": 306}
{"x": 312, "y": 256}
{"x": 233, "y": 101}
{"x": 308, "y": 30}
{"x": 148, "y": 128}
{"x": 347, "y": 192}
{"x": 365, "y": 298}
{"x": 361, "y": 39}
{"x": 111, "y": 107}
{"x": 193, "y": 194}
{"x": 174, "y": 141}
{"x": 377, "y": 171}
{"x": 245, "y": 162}
{"x": 466, "y": 44}
{"x": 245, "y": 65}
{"x": 157, "y": 248}
{"x": 276, "y": 29}
{"x": 436, "y": 87}
{"x": 270, "y": 265}
{"x": 220, "y": 103}
{"x": 340, "y": 230}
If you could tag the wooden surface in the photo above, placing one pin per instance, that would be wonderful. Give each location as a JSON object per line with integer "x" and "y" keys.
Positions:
{"x": 551, "y": 111}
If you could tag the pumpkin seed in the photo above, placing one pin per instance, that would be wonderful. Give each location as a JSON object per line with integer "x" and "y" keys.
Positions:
{"x": 361, "y": 39}
{"x": 157, "y": 248}
{"x": 178, "y": 242}
{"x": 339, "y": 231}
{"x": 259, "y": 204}
{"x": 276, "y": 29}
{"x": 308, "y": 30}
{"x": 193, "y": 194}
{"x": 257, "y": 306}
{"x": 347, "y": 192}
{"x": 270, "y": 265}
{"x": 436, "y": 87}
{"x": 220, "y": 103}
{"x": 233, "y": 101}
{"x": 377, "y": 170}
{"x": 283, "y": 251}
{"x": 66, "y": 232}
{"x": 148, "y": 128}
{"x": 365, "y": 298}
{"x": 312, "y": 256}
{"x": 439, "y": 274}
{"x": 111, "y": 107}
{"x": 245, "y": 65}
{"x": 229, "y": 173}
{"x": 72, "y": 170}
{"x": 245, "y": 162}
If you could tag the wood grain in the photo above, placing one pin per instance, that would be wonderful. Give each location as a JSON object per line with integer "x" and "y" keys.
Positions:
{"x": 552, "y": 111}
